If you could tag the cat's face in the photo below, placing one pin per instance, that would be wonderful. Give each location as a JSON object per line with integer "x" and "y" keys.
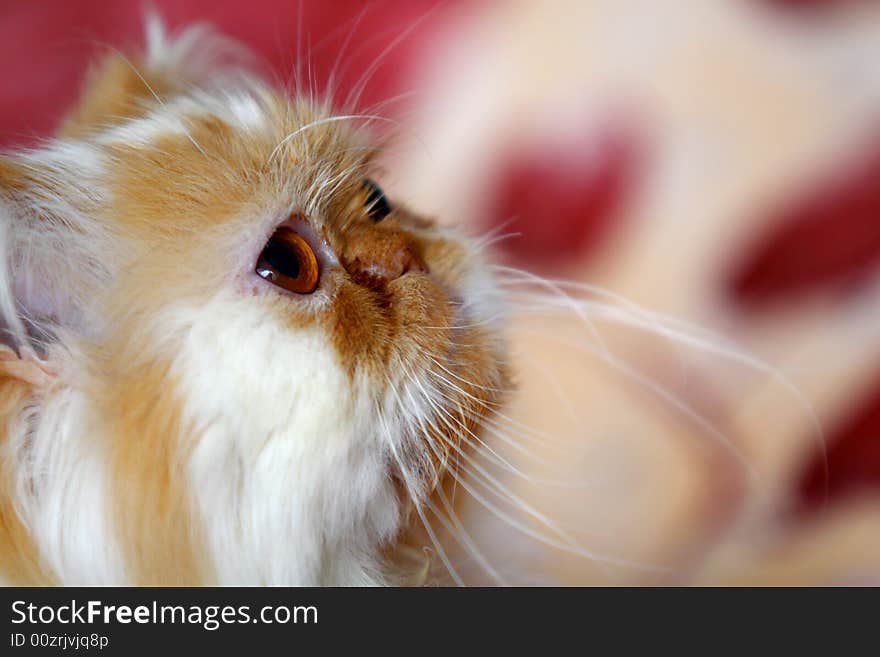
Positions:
{"x": 260, "y": 357}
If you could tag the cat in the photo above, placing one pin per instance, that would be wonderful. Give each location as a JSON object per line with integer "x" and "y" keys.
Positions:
{"x": 564, "y": 436}
{"x": 230, "y": 358}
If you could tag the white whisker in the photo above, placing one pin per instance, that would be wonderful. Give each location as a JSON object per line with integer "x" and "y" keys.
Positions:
{"x": 461, "y": 534}
{"x": 324, "y": 121}
{"x": 416, "y": 500}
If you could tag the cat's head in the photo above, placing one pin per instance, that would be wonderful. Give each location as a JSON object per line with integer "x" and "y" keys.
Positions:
{"x": 259, "y": 357}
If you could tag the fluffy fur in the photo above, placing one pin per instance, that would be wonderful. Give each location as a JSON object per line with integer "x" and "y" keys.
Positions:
{"x": 168, "y": 417}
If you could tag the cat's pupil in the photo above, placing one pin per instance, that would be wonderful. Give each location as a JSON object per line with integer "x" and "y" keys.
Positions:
{"x": 281, "y": 258}
{"x": 377, "y": 204}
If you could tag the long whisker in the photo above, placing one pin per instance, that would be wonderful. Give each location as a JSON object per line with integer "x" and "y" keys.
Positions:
{"x": 667, "y": 397}
{"x": 494, "y": 409}
{"x": 484, "y": 450}
{"x": 565, "y": 541}
{"x": 417, "y": 501}
{"x": 461, "y": 534}
{"x": 156, "y": 96}
{"x": 457, "y": 530}
{"x": 358, "y": 89}
{"x": 677, "y": 331}
{"x": 323, "y": 121}
{"x": 564, "y": 298}
{"x": 446, "y": 417}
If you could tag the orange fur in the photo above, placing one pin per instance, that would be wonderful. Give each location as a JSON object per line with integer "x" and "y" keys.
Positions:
{"x": 138, "y": 403}
{"x": 19, "y": 557}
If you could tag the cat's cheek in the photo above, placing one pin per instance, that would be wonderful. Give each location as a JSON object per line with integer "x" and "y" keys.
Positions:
{"x": 447, "y": 258}
{"x": 467, "y": 274}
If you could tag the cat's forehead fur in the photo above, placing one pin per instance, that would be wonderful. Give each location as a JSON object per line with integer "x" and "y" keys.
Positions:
{"x": 197, "y": 160}
{"x": 200, "y": 159}
{"x": 168, "y": 143}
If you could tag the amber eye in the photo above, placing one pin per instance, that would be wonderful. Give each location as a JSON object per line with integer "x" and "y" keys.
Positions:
{"x": 376, "y": 204}
{"x": 289, "y": 262}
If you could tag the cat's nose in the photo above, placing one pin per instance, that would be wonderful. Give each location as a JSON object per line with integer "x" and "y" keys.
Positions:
{"x": 377, "y": 258}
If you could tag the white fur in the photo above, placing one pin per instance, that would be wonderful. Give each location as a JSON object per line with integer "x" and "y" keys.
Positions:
{"x": 62, "y": 492}
{"x": 145, "y": 131}
{"x": 238, "y": 108}
{"x": 289, "y": 473}
{"x": 246, "y": 111}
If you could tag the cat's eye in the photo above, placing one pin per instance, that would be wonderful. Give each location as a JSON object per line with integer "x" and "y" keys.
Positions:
{"x": 376, "y": 204}
{"x": 288, "y": 261}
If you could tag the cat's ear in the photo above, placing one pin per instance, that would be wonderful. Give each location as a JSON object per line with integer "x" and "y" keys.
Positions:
{"x": 48, "y": 243}
{"x": 18, "y": 359}
{"x": 12, "y": 181}
{"x": 120, "y": 87}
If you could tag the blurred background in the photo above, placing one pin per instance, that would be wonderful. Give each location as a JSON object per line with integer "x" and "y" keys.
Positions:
{"x": 714, "y": 162}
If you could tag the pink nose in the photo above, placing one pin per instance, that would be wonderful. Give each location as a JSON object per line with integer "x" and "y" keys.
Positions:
{"x": 374, "y": 258}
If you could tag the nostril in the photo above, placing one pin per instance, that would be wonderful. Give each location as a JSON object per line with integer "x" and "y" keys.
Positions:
{"x": 410, "y": 260}
{"x": 385, "y": 258}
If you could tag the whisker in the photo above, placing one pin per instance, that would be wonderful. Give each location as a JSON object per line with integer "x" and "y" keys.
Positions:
{"x": 560, "y": 391}
{"x": 444, "y": 416}
{"x": 484, "y": 450}
{"x": 627, "y": 370}
{"x": 679, "y": 332}
{"x": 156, "y": 96}
{"x": 461, "y": 534}
{"x": 495, "y": 409}
{"x": 485, "y": 244}
{"x": 561, "y": 295}
{"x": 565, "y": 541}
{"x": 324, "y": 121}
{"x": 460, "y": 327}
{"x": 357, "y": 89}
{"x": 417, "y": 502}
